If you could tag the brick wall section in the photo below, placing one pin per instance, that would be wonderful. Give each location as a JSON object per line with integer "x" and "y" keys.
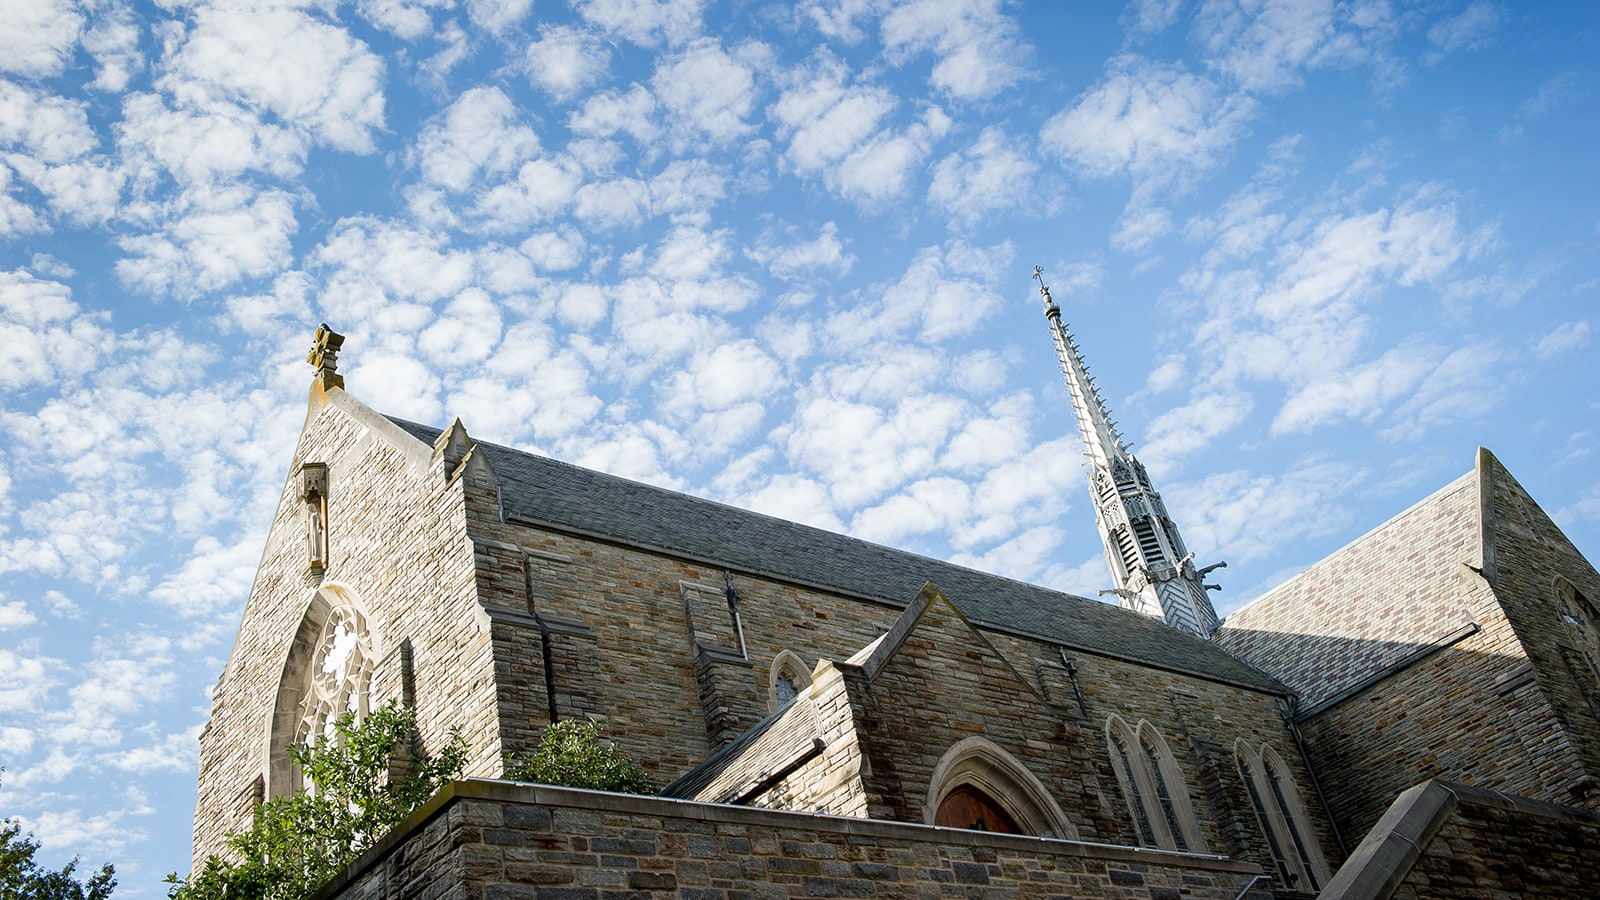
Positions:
{"x": 1367, "y": 606}
{"x": 500, "y": 841}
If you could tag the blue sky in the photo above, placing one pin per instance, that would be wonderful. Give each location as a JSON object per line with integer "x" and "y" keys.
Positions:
{"x": 1314, "y": 252}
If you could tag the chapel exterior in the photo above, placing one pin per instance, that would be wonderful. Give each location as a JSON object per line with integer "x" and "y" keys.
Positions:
{"x": 833, "y": 717}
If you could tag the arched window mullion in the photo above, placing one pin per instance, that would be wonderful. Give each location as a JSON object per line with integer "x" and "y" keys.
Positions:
{"x": 1128, "y": 772}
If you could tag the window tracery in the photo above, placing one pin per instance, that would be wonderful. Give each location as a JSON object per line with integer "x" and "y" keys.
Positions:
{"x": 338, "y": 677}
{"x": 1154, "y": 787}
{"x": 788, "y": 678}
{"x": 1282, "y": 813}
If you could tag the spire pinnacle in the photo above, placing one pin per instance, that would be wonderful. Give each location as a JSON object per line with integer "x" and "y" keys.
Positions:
{"x": 1153, "y": 572}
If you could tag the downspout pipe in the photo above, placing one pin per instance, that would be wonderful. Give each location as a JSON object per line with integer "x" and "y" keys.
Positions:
{"x": 1290, "y": 706}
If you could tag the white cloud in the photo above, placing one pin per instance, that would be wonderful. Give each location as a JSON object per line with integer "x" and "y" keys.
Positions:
{"x": 1358, "y": 391}
{"x": 995, "y": 173}
{"x": 710, "y": 92}
{"x": 213, "y": 582}
{"x": 1246, "y": 515}
{"x": 542, "y": 189}
{"x": 47, "y": 128}
{"x": 612, "y": 204}
{"x": 687, "y": 190}
{"x": 825, "y": 253}
{"x": 466, "y": 332}
{"x": 1191, "y": 428}
{"x": 609, "y": 112}
{"x": 978, "y": 49}
{"x": 1563, "y": 339}
{"x": 172, "y": 753}
{"x": 1473, "y": 28}
{"x": 15, "y": 614}
{"x": 198, "y": 146}
{"x": 371, "y": 263}
{"x": 24, "y": 681}
{"x": 1464, "y": 386}
{"x": 406, "y": 19}
{"x": 284, "y": 62}
{"x": 837, "y": 19}
{"x": 495, "y": 16}
{"x": 1264, "y": 46}
{"x": 840, "y": 132}
{"x": 795, "y": 498}
{"x": 555, "y": 251}
{"x": 38, "y": 37}
{"x": 113, "y": 41}
{"x": 645, "y": 22}
{"x": 565, "y": 60}
{"x": 214, "y": 239}
{"x": 478, "y": 133}
{"x": 44, "y": 337}
{"x": 1154, "y": 122}
{"x": 724, "y": 376}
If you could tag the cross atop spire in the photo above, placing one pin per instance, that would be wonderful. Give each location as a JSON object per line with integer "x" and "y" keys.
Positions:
{"x": 324, "y": 356}
{"x": 1153, "y": 572}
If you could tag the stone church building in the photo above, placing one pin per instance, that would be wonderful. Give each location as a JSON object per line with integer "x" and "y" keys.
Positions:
{"x": 1417, "y": 715}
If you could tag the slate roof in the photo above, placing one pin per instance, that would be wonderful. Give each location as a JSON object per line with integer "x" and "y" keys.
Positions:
{"x": 548, "y": 492}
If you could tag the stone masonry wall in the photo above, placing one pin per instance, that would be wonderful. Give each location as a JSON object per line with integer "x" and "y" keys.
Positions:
{"x": 1479, "y": 711}
{"x": 1201, "y": 721}
{"x": 502, "y": 841}
{"x": 1528, "y": 554}
{"x": 625, "y": 647}
{"x": 1444, "y": 841}
{"x": 397, "y": 541}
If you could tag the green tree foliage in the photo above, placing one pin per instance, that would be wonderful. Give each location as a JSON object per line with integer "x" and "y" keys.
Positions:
{"x": 356, "y": 792}
{"x": 21, "y": 878}
{"x": 573, "y": 753}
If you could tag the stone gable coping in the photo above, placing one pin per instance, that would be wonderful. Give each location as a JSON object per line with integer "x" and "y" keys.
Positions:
{"x": 1377, "y": 868}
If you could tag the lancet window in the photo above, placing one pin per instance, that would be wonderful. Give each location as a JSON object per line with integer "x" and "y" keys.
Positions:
{"x": 1154, "y": 787}
{"x": 1281, "y": 810}
{"x": 789, "y": 677}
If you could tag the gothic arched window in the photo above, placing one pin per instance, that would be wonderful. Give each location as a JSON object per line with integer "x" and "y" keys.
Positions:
{"x": 339, "y": 675}
{"x": 1281, "y": 810}
{"x": 326, "y": 675}
{"x": 788, "y": 678}
{"x": 1154, "y": 786}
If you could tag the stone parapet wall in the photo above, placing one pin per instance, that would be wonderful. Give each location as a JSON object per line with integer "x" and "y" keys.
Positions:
{"x": 484, "y": 840}
{"x": 1442, "y": 841}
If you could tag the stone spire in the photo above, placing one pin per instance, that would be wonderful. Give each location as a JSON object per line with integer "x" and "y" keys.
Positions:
{"x": 1153, "y": 572}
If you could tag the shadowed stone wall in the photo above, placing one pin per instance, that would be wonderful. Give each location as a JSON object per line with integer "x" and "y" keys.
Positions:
{"x": 502, "y": 841}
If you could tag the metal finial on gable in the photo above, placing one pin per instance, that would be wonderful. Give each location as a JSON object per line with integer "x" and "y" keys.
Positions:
{"x": 324, "y": 356}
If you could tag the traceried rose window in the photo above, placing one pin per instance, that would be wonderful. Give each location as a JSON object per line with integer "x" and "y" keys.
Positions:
{"x": 339, "y": 675}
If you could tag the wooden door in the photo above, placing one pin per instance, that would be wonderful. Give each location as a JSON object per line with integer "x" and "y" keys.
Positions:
{"x": 968, "y": 807}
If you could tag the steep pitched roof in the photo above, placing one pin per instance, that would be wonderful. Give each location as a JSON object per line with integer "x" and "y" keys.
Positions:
{"x": 1375, "y": 605}
{"x": 547, "y": 492}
